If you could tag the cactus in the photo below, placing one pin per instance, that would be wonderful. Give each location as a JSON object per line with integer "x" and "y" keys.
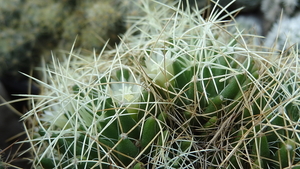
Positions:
{"x": 15, "y": 50}
{"x": 10, "y": 13}
{"x": 94, "y": 22}
{"x": 180, "y": 91}
{"x": 105, "y": 131}
{"x": 283, "y": 34}
{"x": 272, "y": 9}
{"x": 43, "y": 19}
{"x": 32, "y": 28}
{"x": 275, "y": 10}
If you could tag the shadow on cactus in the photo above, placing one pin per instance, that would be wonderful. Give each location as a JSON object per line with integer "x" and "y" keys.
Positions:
{"x": 183, "y": 92}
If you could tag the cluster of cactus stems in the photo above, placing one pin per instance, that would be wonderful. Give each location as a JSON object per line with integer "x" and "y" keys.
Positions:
{"x": 180, "y": 91}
